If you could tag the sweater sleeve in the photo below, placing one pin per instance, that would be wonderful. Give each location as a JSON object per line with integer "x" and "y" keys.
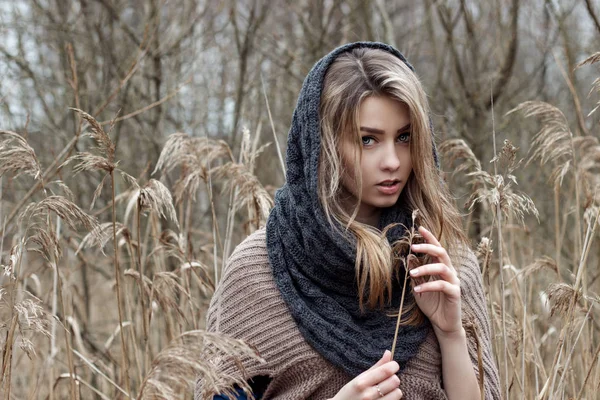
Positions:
{"x": 476, "y": 321}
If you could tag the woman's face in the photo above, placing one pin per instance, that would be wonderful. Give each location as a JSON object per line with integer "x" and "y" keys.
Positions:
{"x": 385, "y": 164}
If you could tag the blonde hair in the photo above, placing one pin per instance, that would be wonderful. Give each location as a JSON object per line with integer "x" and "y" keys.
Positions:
{"x": 352, "y": 77}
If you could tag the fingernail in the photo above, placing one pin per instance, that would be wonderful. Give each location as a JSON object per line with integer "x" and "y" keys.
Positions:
{"x": 417, "y": 288}
{"x": 414, "y": 272}
{"x": 416, "y": 246}
{"x": 385, "y": 353}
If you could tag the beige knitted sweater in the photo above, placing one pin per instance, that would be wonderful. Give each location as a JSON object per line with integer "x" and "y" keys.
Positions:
{"x": 247, "y": 305}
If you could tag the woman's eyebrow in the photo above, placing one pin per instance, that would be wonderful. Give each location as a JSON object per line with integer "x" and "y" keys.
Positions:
{"x": 380, "y": 131}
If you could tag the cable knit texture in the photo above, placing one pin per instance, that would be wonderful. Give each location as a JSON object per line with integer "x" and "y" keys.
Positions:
{"x": 248, "y": 305}
{"x": 314, "y": 265}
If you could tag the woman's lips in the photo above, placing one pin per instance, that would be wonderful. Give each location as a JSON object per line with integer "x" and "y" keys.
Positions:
{"x": 389, "y": 189}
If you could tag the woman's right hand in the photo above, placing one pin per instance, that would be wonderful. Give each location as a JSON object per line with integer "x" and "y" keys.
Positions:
{"x": 380, "y": 376}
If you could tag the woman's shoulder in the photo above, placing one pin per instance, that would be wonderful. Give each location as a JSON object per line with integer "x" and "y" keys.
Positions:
{"x": 249, "y": 255}
{"x": 247, "y": 305}
{"x": 246, "y": 282}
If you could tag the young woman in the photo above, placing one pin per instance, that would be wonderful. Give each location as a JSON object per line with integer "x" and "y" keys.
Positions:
{"x": 315, "y": 292}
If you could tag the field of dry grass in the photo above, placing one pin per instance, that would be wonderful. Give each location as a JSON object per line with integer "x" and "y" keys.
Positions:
{"x": 106, "y": 298}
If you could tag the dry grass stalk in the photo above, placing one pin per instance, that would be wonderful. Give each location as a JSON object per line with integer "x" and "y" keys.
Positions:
{"x": 589, "y": 372}
{"x": 125, "y": 369}
{"x": 153, "y": 197}
{"x": 66, "y": 191}
{"x": 243, "y": 182}
{"x": 192, "y": 355}
{"x": 409, "y": 262}
{"x": 549, "y": 386}
{"x": 37, "y": 216}
{"x": 99, "y": 372}
{"x": 105, "y": 162}
{"x": 281, "y": 162}
{"x": 60, "y": 297}
{"x": 195, "y": 157}
{"x": 472, "y": 330}
{"x": 79, "y": 380}
{"x": 46, "y": 239}
{"x": 498, "y": 220}
{"x": 573, "y": 346}
{"x": 5, "y": 372}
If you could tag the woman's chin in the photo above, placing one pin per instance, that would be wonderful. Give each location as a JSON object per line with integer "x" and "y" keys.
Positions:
{"x": 383, "y": 202}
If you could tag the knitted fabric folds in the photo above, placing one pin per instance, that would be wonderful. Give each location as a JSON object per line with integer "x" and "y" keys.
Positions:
{"x": 314, "y": 265}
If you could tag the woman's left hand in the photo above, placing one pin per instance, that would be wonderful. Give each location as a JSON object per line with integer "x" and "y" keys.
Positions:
{"x": 438, "y": 299}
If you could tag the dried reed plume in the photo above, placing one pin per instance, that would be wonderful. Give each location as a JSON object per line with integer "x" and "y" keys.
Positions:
{"x": 552, "y": 143}
{"x": 152, "y": 197}
{"x": 17, "y": 157}
{"x": 250, "y": 192}
{"x": 106, "y": 147}
{"x": 560, "y": 296}
{"x": 588, "y": 150}
{"x": 541, "y": 263}
{"x": 66, "y": 191}
{"x": 458, "y": 149}
{"x": 194, "y": 155}
{"x": 175, "y": 245}
{"x": 484, "y": 254}
{"x": 194, "y": 354}
{"x": 100, "y": 237}
{"x": 69, "y": 212}
{"x": 10, "y": 266}
{"x": 32, "y": 319}
{"x": 594, "y": 58}
{"x": 496, "y": 191}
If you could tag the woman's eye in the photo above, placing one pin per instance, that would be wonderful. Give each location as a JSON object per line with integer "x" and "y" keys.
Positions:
{"x": 367, "y": 140}
{"x": 404, "y": 138}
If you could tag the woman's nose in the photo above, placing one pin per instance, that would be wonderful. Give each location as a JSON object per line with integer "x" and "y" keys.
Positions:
{"x": 390, "y": 158}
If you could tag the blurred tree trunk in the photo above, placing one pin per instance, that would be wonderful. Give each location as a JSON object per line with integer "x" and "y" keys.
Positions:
{"x": 245, "y": 42}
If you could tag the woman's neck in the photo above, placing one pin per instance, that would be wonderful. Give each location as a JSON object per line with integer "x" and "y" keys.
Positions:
{"x": 367, "y": 214}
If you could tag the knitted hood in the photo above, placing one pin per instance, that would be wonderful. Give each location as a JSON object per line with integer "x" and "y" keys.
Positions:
{"x": 314, "y": 265}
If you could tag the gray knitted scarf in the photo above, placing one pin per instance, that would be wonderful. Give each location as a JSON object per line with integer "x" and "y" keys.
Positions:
{"x": 313, "y": 264}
